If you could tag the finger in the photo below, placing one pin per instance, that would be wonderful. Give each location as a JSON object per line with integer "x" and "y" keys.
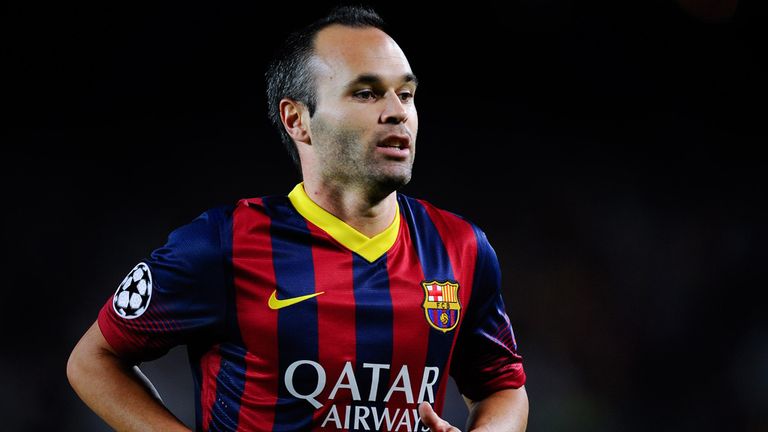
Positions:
{"x": 430, "y": 419}
{"x": 428, "y": 416}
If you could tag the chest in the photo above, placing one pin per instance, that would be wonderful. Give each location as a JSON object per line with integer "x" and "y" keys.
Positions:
{"x": 305, "y": 293}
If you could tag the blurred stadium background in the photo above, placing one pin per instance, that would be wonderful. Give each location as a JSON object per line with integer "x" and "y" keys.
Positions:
{"x": 610, "y": 150}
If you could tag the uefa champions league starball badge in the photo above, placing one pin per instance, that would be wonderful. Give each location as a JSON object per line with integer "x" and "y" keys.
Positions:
{"x": 134, "y": 292}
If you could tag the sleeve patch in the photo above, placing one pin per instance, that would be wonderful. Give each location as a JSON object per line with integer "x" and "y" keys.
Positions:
{"x": 133, "y": 294}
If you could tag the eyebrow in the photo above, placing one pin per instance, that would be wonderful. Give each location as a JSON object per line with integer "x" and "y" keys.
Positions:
{"x": 377, "y": 79}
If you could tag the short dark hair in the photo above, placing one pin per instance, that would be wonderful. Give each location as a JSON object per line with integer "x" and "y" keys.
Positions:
{"x": 289, "y": 74}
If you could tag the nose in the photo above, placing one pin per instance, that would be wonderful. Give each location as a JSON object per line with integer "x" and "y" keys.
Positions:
{"x": 394, "y": 110}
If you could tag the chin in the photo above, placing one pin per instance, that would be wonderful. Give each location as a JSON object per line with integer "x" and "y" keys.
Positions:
{"x": 394, "y": 181}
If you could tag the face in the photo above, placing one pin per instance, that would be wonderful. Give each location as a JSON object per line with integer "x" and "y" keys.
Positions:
{"x": 363, "y": 131}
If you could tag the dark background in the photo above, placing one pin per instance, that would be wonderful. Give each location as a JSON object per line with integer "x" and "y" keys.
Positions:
{"x": 612, "y": 151}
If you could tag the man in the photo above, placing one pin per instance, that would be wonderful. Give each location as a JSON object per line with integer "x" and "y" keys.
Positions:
{"x": 339, "y": 307}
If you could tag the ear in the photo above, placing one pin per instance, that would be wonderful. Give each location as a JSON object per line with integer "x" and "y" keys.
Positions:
{"x": 292, "y": 116}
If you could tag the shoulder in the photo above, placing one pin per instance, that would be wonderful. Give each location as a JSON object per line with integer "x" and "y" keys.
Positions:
{"x": 268, "y": 205}
{"x": 213, "y": 219}
{"x": 201, "y": 238}
{"x": 451, "y": 225}
{"x": 208, "y": 223}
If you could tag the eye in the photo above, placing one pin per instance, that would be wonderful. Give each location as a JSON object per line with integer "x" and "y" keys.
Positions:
{"x": 365, "y": 95}
{"x": 406, "y": 96}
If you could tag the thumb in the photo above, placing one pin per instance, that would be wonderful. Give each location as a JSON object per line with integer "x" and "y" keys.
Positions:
{"x": 430, "y": 419}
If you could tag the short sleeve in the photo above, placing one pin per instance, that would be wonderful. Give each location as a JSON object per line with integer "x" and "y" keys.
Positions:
{"x": 485, "y": 359}
{"x": 173, "y": 297}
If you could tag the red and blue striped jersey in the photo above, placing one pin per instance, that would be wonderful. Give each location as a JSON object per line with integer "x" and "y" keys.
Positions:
{"x": 294, "y": 321}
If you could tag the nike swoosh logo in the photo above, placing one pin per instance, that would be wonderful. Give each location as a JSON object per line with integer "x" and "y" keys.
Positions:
{"x": 276, "y": 304}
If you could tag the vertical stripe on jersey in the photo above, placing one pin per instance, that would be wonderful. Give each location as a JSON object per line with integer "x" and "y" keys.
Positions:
{"x": 373, "y": 312}
{"x": 227, "y": 409}
{"x": 207, "y": 371}
{"x": 335, "y": 319}
{"x": 410, "y": 331}
{"x": 295, "y": 276}
{"x": 436, "y": 266}
{"x": 222, "y": 369}
{"x": 197, "y": 379}
{"x": 462, "y": 254}
{"x": 254, "y": 281}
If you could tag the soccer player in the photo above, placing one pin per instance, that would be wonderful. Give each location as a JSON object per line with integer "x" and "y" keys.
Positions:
{"x": 344, "y": 305}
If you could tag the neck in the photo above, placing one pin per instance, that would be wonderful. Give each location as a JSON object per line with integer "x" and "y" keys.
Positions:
{"x": 367, "y": 212}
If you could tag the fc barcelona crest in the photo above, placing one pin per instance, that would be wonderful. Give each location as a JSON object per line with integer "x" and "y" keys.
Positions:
{"x": 441, "y": 304}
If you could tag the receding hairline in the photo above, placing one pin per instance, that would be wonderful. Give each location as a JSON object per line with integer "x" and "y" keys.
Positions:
{"x": 331, "y": 28}
{"x": 319, "y": 58}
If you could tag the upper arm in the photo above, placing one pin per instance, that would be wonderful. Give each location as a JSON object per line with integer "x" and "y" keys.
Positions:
{"x": 91, "y": 343}
{"x": 515, "y": 393}
{"x": 505, "y": 409}
{"x": 486, "y": 358}
{"x": 91, "y": 348}
{"x": 173, "y": 297}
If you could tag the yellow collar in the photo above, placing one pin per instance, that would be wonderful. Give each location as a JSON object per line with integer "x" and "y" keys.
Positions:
{"x": 369, "y": 248}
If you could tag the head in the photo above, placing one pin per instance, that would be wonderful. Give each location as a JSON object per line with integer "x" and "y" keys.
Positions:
{"x": 341, "y": 95}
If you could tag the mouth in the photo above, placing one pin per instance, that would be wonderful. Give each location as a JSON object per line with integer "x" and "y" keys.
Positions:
{"x": 395, "y": 141}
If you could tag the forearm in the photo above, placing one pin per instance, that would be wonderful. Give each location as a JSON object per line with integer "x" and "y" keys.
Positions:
{"x": 503, "y": 411}
{"x": 117, "y": 392}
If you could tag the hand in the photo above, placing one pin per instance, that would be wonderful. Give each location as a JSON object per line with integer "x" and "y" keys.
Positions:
{"x": 430, "y": 418}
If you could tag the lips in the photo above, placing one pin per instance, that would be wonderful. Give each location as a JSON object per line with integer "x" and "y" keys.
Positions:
{"x": 396, "y": 141}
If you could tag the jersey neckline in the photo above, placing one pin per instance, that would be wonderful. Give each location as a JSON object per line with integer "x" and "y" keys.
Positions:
{"x": 370, "y": 248}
